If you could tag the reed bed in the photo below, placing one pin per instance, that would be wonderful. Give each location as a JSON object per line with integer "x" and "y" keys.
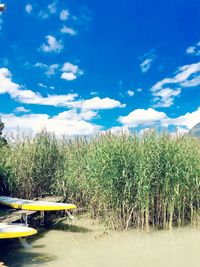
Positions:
{"x": 126, "y": 180}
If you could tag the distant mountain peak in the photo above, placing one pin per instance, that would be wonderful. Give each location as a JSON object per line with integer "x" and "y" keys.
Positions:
{"x": 195, "y": 131}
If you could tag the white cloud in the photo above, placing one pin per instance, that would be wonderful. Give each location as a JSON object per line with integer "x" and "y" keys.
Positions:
{"x": 130, "y": 93}
{"x": 97, "y": 103}
{"x": 187, "y": 120}
{"x": 68, "y": 76}
{"x": 147, "y": 62}
{"x": 74, "y": 115}
{"x": 51, "y": 9}
{"x": 165, "y": 97}
{"x": 67, "y": 123}
{"x": 21, "y": 110}
{"x": 50, "y": 69}
{"x": 68, "y": 30}
{"x": 64, "y": 14}
{"x": 28, "y": 8}
{"x": 41, "y": 65}
{"x": 191, "y": 82}
{"x": 145, "y": 65}
{"x": 72, "y": 122}
{"x": 191, "y": 50}
{"x": 148, "y": 117}
{"x": 44, "y": 15}
{"x": 29, "y": 97}
{"x": 6, "y": 85}
{"x": 70, "y": 71}
{"x": 194, "y": 50}
{"x": 142, "y": 117}
{"x": 42, "y": 85}
{"x": 93, "y": 93}
{"x": 185, "y": 76}
{"x": 89, "y": 114}
{"x": 139, "y": 90}
{"x": 52, "y": 45}
{"x": 182, "y": 75}
{"x": 18, "y": 93}
{"x": 68, "y": 67}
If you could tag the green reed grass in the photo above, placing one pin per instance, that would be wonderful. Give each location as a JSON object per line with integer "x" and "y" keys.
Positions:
{"x": 127, "y": 180}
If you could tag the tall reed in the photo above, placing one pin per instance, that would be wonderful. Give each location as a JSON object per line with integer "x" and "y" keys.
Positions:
{"x": 126, "y": 180}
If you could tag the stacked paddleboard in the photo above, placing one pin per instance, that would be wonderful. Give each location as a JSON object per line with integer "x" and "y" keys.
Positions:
{"x": 18, "y": 231}
{"x": 15, "y": 231}
{"x": 25, "y": 204}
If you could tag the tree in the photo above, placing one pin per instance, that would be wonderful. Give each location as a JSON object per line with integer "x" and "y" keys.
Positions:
{"x": 3, "y": 175}
{"x": 2, "y": 139}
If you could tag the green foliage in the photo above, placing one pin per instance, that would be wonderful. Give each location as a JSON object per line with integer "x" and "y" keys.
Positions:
{"x": 3, "y": 172}
{"x": 34, "y": 165}
{"x": 3, "y": 182}
{"x": 2, "y": 139}
{"x": 124, "y": 179}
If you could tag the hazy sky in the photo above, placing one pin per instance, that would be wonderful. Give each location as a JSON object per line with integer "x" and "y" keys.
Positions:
{"x": 79, "y": 67}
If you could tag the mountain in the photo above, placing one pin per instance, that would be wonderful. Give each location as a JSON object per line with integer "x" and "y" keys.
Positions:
{"x": 195, "y": 131}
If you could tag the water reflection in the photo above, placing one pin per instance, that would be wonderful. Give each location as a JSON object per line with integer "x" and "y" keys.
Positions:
{"x": 83, "y": 243}
{"x": 62, "y": 226}
{"x": 14, "y": 256}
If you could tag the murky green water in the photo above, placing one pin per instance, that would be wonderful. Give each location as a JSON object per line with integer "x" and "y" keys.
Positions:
{"x": 83, "y": 244}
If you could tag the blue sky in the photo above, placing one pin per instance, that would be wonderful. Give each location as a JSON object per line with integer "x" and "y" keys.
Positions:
{"x": 79, "y": 67}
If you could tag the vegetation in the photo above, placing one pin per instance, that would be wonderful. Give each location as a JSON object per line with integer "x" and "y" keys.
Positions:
{"x": 3, "y": 176}
{"x": 126, "y": 180}
{"x": 2, "y": 139}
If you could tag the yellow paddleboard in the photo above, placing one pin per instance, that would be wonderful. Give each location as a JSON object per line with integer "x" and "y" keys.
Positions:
{"x": 15, "y": 231}
{"x": 25, "y": 204}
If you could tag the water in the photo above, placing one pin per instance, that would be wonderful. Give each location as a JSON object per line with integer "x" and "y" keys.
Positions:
{"x": 85, "y": 244}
